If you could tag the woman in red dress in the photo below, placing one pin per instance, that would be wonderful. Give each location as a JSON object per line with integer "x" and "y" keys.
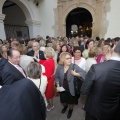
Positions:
{"x": 49, "y": 65}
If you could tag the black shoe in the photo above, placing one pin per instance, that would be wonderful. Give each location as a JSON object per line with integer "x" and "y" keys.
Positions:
{"x": 69, "y": 113}
{"x": 64, "y": 109}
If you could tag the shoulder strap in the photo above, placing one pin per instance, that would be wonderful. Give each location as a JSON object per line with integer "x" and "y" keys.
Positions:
{"x": 40, "y": 83}
{"x": 73, "y": 63}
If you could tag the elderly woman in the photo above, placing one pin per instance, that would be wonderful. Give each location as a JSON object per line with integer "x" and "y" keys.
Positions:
{"x": 49, "y": 65}
{"x": 77, "y": 59}
{"x": 106, "y": 53}
{"x": 34, "y": 71}
{"x": 64, "y": 77}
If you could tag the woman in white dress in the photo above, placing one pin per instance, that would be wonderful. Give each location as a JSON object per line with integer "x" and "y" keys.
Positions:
{"x": 34, "y": 71}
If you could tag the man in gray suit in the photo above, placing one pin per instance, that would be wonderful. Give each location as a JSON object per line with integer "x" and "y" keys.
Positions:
{"x": 102, "y": 86}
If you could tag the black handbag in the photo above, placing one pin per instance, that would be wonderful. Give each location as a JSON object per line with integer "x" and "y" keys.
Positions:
{"x": 77, "y": 83}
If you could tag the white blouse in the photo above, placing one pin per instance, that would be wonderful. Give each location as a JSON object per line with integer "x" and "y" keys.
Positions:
{"x": 43, "y": 85}
{"x": 82, "y": 62}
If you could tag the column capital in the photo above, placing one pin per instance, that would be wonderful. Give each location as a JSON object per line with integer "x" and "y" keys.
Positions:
{"x": 33, "y": 23}
{"x": 2, "y": 17}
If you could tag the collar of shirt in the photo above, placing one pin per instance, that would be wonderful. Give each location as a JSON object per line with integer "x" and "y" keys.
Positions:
{"x": 13, "y": 64}
{"x": 115, "y": 58}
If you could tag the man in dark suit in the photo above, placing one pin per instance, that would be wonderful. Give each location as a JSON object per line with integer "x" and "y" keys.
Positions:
{"x": 48, "y": 40}
{"x": 36, "y": 51}
{"x": 102, "y": 85}
{"x": 2, "y": 64}
{"x": 12, "y": 71}
{"x": 21, "y": 100}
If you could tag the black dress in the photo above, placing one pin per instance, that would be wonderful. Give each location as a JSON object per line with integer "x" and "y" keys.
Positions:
{"x": 66, "y": 97}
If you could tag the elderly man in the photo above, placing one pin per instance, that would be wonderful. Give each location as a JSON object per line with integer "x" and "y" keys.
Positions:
{"x": 102, "y": 85}
{"x": 12, "y": 71}
{"x": 36, "y": 52}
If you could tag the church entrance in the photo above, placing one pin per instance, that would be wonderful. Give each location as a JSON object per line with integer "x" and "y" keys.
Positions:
{"x": 79, "y": 22}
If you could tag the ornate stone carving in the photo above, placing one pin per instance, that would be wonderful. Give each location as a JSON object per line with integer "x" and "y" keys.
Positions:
{"x": 95, "y": 7}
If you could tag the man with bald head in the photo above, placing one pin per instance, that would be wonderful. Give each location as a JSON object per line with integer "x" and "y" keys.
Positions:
{"x": 36, "y": 52}
{"x": 12, "y": 71}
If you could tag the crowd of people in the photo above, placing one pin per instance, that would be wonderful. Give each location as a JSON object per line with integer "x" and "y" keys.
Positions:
{"x": 36, "y": 68}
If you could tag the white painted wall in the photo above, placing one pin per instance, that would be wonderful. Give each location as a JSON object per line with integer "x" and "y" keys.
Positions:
{"x": 113, "y": 17}
{"x": 46, "y": 11}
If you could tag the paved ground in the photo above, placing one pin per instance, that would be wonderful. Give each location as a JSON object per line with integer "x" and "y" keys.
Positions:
{"x": 55, "y": 114}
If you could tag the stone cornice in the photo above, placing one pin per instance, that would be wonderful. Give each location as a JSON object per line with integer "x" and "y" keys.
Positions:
{"x": 33, "y": 22}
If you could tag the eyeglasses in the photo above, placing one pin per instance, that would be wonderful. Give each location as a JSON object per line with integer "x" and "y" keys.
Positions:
{"x": 68, "y": 58}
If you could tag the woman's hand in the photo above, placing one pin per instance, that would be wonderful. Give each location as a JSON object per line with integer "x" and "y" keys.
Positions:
{"x": 57, "y": 88}
{"x": 36, "y": 53}
{"x": 35, "y": 58}
{"x": 74, "y": 73}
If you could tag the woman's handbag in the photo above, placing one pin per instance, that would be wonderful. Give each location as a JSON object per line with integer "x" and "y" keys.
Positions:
{"x": 77, "y": 83}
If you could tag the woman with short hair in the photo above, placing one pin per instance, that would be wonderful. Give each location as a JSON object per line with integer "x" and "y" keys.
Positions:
{"x": 34, "y": 72}
{"x": 49, "y": 65}
{"x": 64, "y": 77}
{"x": 77, "y": 59}
{"x": 93, "y": 53}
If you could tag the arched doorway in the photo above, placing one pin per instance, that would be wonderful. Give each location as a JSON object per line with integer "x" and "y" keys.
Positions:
{"x": 79, "y": 22}
{"x": 14, "y": 21}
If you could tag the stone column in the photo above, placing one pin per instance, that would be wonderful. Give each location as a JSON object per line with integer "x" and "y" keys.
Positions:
{"x": 2, "y": 29}
{"x": 34, "y": 28}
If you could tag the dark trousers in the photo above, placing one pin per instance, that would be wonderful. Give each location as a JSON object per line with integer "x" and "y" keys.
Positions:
{"x": 89, "y": 117}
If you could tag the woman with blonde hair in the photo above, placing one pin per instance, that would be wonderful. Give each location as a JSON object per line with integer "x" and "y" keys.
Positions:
{"x": 93, "y": 53}
{"x": 106, "y": 53}
{"x": 49, "y": 65}
{"x": 64, "y": 77}
{"x": 42, "y": 44}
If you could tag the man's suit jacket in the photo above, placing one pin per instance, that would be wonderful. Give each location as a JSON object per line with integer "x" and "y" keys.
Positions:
{"x": 10, "y": 74}
{"x": 48, "y": 41}
{"x": 2, "y": 64}
{"x": 82, "y": 48}
{"x": 102, "y": 85}
{"x": 41, "y": 54}
{"x": 21, "y": 100}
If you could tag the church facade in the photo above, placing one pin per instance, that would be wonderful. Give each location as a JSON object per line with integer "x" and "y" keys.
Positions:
{"x": 29, "y": 18}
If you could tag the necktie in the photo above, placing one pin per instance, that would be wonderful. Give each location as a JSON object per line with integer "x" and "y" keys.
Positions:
{"x": 21, "y": 70}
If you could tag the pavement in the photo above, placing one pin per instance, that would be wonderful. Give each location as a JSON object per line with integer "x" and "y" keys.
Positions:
{"x": 78, "y": 112}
